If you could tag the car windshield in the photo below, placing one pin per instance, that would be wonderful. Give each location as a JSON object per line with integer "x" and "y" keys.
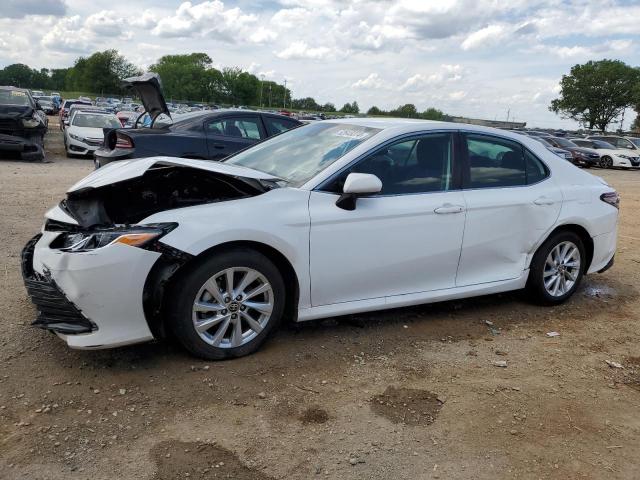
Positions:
{"x": 635, "y": 141}
{"x": 299, "y": 154}
{"x": 601, "y": 144}
{"x": 543, "y": 141}
{"x": 14, "y": 97}
{"x": 95, "y": 121}
{"x": 563, "y": 142}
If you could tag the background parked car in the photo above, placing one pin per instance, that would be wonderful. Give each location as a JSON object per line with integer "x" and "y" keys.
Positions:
{"x": 84, "y": 133}
{"x": 48, "y": 105}
{"x": 22, "y": 126}
{"x": 610, "y": 156}
{"x": 561, "y": 152}
{"x": 66, "y": 106}
{"x": 621, "y": 143}
{"x": 208, "y": 134}
{"x": 583, "y": 157}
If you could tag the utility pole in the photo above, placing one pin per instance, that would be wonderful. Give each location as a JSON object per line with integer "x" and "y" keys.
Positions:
{"x": 270, "y": 85}
{"x": 284, "y": 101}
{"x": 508, "y": 112}
{"x": 261, "y": 84}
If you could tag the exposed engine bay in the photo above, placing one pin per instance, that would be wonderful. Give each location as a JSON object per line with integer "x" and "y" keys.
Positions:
{"x": 162, "y": 187}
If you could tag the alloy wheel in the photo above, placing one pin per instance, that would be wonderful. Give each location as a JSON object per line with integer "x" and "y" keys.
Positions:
{"x": 233, "y": 307}
{"x": 561, "y": 269}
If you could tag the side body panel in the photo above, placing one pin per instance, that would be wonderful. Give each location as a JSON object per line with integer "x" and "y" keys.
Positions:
{"x": 388, "y": 245}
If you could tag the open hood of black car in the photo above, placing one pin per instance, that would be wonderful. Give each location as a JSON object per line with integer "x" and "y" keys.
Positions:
{"x": 149, "y": 89}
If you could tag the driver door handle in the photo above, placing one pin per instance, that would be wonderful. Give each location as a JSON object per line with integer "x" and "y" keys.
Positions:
{"x": 543, "y": 201}
{"x": 219, "y": 147}
{"x": 449, "y": 208}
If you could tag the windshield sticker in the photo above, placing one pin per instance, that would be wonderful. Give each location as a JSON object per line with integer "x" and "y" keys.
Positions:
{"x": 353, "y": 134}
{"x": 16, "y": 93}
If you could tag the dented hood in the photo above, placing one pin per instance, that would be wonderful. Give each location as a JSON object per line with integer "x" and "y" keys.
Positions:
{"x": 127, "y": 169}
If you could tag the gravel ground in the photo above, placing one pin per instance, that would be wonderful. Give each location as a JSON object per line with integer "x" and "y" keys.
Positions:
{"x": 406, "y": 394}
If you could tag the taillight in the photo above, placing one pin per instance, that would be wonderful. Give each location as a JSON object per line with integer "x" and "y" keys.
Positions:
{"x": 612, "y": 198}
{"x": 123, "y": 141}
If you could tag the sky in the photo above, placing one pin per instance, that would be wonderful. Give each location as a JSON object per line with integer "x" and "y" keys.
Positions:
{"x": 476, "y": 58}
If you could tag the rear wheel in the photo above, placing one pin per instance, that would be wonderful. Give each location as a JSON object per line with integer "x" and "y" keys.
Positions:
{"x": 557, "y": 268}
{"x": 227, "y": 306}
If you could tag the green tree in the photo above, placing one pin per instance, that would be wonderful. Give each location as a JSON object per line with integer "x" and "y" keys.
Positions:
{"x": 307, "y": 103}
{"x": 189, "y": 77}
{"x": 328, "y": 107}
{"x": 408, "y": 110}
{"x": 350, "y": 108}
{"x": 433, "y": 114}
{"x": 597, "y": 92}
{"x": 375, "y": 111}
{"x": 21, "y": 75}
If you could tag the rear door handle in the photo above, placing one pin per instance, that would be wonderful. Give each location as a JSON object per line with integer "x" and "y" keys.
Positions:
{"x": 543, "y": 201}
{"x": 449, "y": 208}
{"x": 219, "y": 147}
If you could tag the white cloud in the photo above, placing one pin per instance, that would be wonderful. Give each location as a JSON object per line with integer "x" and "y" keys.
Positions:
{"x": 64, "y": 36}
{"x": 300, "y": 50}
{"x": 373, "y": 81}
{"x": 444, "y": 75}
{"x": 487, "y": 36}
{"x": 206, "y": 18}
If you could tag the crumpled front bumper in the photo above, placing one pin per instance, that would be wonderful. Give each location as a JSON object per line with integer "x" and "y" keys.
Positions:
{"x": 27, "y": 148}
{"x": 89, "y": 299}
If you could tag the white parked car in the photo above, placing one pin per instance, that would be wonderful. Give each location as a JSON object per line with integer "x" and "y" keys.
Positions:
{"x": 610, "y": 156}
{"x": 85, "y": 134}
{"x": 332, "y": 218}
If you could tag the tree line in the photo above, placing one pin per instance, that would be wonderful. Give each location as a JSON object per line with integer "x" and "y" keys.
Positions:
{"x": 187, "y": 77}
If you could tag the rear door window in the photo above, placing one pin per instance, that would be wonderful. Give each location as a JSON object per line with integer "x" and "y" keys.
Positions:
{"x": 494, "y": 162}
{"x": 238, "y": 127}
{"x": 278, "y": 125}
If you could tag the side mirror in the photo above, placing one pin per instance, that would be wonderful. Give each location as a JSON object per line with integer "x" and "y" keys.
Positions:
{"x": 357, "y": 185}
{"x": 66, "y": 122}
{"x": 38, "y": 106}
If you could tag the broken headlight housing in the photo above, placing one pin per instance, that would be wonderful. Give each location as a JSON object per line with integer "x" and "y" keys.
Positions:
{"x": 31, "y": 122}
{"x": 134, "y": 236}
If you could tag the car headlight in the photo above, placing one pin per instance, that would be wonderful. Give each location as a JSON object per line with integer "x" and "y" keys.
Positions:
{"x": 30, "y": 122}
{"x": 625, "y": 157}
{"x": 134, "y": 236}
{"x": 76, "y": 137}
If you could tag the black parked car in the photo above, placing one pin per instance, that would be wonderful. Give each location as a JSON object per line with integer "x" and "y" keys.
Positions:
{"x": 583, "y": 157}
{"x": 22, "y": 127}
{"x": 208, "y": 134}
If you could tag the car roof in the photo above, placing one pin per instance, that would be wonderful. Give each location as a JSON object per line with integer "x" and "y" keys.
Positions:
{"x": 11, "y": 87}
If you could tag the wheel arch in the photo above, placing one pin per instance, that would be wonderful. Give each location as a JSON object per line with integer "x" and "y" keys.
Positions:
{"x": 579, "y": 230}
{"x": 165, "y": 273}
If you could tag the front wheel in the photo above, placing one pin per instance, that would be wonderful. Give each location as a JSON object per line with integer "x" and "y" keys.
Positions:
{"x": 557, "y": 268}
{"x": 606, "y": 162}
{"x": 226, "y": 306}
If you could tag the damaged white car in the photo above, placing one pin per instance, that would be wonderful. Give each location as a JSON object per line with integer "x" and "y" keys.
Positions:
{"x": 333, "y": 218}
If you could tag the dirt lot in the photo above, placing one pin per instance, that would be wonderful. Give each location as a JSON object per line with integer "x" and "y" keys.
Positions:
{"x": 406, "y": 394}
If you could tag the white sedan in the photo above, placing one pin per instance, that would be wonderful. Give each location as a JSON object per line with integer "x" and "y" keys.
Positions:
{"x": 610, "y": 156}
{"x": 85, "y": 134}
{"x": 332, "y": 218}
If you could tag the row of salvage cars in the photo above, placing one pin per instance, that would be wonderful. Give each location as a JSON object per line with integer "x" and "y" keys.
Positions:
{"x": 331, "y": 218}
{"x": 604, "y": 151}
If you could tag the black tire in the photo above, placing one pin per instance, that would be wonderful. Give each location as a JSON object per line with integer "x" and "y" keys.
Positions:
{"x": 535, "y": 282}
{"x": 182, "y": 295}
{"x": 606, "y": 162}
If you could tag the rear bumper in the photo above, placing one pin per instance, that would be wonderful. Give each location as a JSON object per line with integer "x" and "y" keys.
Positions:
{"x": 604, "y": 248}
{"x": 104, "y": 155}
{"x": 90, "y": 299}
